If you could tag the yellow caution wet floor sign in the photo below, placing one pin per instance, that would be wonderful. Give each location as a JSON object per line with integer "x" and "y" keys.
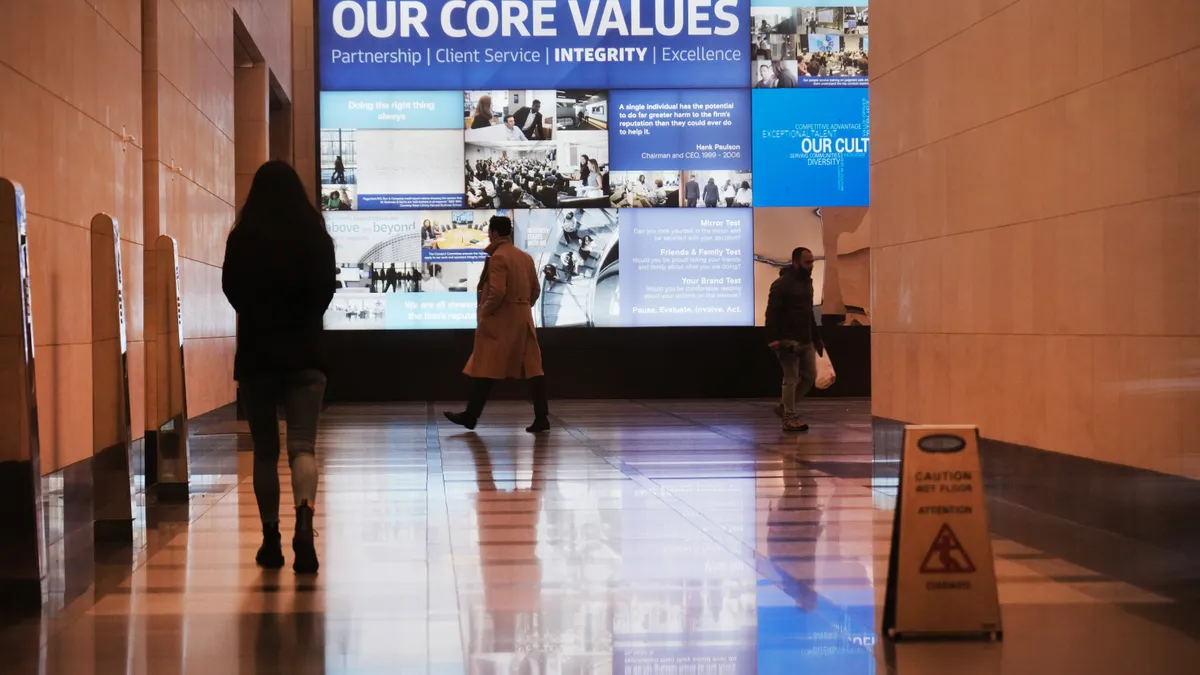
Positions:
{"x": 941, "y": 578}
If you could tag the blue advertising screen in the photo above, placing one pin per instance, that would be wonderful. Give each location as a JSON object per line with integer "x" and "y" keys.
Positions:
{"x": 823, "y": 159}
{"x": 669, "y": 124}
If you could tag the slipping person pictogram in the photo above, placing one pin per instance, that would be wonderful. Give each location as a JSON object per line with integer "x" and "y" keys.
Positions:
{"x": 946, "y": 555}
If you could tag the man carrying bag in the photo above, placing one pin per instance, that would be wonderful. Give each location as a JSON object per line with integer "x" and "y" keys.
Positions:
{"x": 793, "y": 334}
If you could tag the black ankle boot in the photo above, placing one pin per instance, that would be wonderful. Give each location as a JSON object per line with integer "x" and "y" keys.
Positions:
{"x": 270, "y": 554}
{"x": 302, "y": 542}
{"x": 540, "y": 424}
{"x": 462, "y": 419}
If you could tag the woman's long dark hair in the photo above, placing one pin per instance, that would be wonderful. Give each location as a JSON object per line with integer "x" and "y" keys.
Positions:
{"x": 279, "y": 215}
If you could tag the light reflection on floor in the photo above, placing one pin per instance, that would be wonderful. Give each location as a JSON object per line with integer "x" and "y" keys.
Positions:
{"x": 665, "y": 538}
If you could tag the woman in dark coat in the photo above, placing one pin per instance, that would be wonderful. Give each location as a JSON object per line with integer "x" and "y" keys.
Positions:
{"x": 279, "y": 274}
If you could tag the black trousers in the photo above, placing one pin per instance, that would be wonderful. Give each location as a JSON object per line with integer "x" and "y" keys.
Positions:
{"x": 482, "y": 387}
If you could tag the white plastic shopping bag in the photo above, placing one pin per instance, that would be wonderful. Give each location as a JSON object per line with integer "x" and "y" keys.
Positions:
{"x": 825, "y": 375}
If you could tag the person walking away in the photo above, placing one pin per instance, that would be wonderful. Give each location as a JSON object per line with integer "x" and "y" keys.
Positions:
{"x": 692, "y": 192}
{"x": 281, "y": 235}
{"x": 391, "y": 278}
{"x": 711, "y": 194}
{"x": 506, "y": 346}
{"x": 793, "y": 334}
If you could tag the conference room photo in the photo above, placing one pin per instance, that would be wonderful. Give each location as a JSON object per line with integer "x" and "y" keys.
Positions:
{"x": 716, "y": 189}
{"x": 645, "y": 189}
{"x": 509, "y": 115}
{"x": 581, "y": 110}
{"x": 841, "y": 56}
{"x": 826, "y": 19}
{"x": 768, "y": 18}
{"x": 569, "y": 171}
{"x": 821, "y": 41}
{"x": 463, "y": 236}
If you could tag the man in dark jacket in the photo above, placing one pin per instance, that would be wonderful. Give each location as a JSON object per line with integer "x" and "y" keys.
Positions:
{"x": 507, "y": 199}
{"x": 529, "y": 121}
{"x": 547, "y": 195}
{"x": 792, "y": 333}
{"x": 692, "y": 192}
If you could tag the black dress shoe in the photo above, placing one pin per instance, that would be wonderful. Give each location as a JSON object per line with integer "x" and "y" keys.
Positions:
{"x": 270, "y": 554}
{"x": 460, "y": 419}
{"x": 539, "y": 425}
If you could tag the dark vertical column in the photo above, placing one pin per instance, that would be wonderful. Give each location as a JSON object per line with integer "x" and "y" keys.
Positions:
{"x": 112, "y": 475}
{"x": 170, "y": 430}
{"x": 22, "y": 547}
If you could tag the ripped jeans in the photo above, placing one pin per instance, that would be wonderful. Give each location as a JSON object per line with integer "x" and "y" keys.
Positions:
{"x": 300, "y": 393}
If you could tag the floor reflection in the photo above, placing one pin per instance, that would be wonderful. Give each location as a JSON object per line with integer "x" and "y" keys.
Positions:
{"x": 510, "y": 634}
{"x": 797, "y": 626}
{"x": 637, "y": 538}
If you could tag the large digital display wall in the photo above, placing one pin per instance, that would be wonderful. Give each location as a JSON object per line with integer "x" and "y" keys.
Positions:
{"x": 663, "y": 125}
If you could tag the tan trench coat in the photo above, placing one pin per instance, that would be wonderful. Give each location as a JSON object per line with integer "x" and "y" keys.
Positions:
{"x": 506, "y": 346}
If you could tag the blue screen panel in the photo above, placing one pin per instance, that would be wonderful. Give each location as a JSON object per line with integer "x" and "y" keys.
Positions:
{"x": 811, "y": 147}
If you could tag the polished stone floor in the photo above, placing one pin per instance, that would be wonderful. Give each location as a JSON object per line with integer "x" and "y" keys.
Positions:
{"x": 638, "y": 538}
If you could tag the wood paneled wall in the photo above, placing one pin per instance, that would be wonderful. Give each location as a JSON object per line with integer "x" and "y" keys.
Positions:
{"x": 1036, "y": 223}
{"x": 126, "y": 107}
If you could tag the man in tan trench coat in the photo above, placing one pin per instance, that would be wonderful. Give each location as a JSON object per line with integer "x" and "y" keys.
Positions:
{"x": 506, "y": 346}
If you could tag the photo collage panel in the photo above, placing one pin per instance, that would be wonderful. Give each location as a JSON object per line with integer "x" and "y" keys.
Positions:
{"x": 410, "y": 179}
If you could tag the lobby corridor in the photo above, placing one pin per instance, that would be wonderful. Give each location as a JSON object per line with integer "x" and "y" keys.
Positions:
{"x": 638, "y": 538}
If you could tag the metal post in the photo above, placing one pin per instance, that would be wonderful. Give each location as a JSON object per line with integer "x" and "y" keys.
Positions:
{"x": 22, "y": 546}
